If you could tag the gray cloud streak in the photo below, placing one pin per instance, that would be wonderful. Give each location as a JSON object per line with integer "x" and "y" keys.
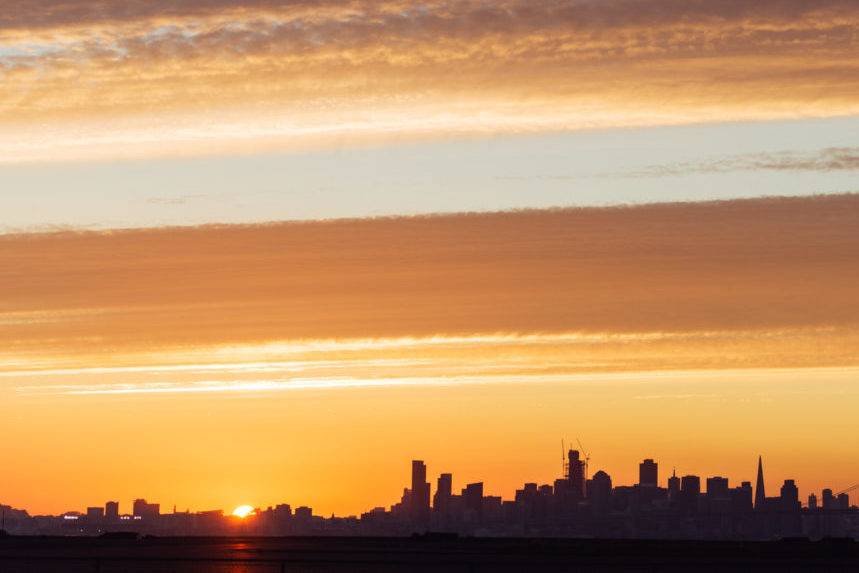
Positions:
{"x": 636, "y": 27}
{"x": 578, "y": 13}
{"x": 825, "y": 160}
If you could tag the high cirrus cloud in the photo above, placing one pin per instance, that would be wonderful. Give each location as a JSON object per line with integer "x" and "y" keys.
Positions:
{"x": 826, "y": 160}
{"x": 207, "y": 76}
{"x": 585, "y": 13}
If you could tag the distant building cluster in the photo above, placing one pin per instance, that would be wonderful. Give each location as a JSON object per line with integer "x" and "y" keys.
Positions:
{"x": 575, "y": 505}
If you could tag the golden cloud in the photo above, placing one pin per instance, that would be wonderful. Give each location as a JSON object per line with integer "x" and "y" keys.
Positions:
{"x": 732, "y": 284}
{"x": 113, "y": 78}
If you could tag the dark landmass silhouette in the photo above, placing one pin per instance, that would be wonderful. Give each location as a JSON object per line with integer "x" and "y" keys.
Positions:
{"x": 415, "y": 554}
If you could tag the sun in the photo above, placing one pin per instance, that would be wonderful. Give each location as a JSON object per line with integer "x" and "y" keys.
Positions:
{"x": 243, "y": 511}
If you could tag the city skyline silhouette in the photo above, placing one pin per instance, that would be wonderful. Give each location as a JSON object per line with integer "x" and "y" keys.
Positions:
{"x": 576, "y": 504}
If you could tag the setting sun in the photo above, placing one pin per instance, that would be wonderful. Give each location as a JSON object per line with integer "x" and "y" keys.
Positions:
{"x": 243, "y": 511}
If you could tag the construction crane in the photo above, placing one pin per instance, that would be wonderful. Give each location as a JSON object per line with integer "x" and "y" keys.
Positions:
{"x": 565, "y": 466}
{"x": 847, "y": 490}
{"x": 586, "y": 455}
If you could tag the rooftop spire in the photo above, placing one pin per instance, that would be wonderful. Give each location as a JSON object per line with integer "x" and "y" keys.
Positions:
{"x": 760, "y": 492}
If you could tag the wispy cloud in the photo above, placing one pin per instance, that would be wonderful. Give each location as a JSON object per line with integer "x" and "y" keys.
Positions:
{"x": 220, "y": 386}
{"x": 826, "y": 160}
{"x": 178, "y": 200}
{"x": 205, "y": 77}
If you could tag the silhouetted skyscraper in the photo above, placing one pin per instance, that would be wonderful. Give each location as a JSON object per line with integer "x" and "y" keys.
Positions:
{"x": 599, "y": 492}
{"x": 742, "y": 498}
{"x": 576, "y": 474}
{"x": 420, "y": 493}
{"x": 690, "y": 491}
{"x": 690, "y": 485}
{"x": 717, "y": 488}
{"x": 760, "y": 492}
{"x": 789, "y": 496}
{"x": 673, "y": 486}
{"x": 146, "y": 510}
{"x": 828, "y": 499}
{"x": 472, "y": 498}
{"x": 419, "y": 474}
{"x": 648, "y": 473}
{"x": 111, "y": 510}
{"x": 303, "y": 514}
{"x": 443, "y": 492}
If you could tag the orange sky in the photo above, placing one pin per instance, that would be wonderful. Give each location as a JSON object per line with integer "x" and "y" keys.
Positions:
{"x": 309, "y": 362}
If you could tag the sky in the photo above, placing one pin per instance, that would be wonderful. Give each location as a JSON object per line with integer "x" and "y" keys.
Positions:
{"x": 249, "y": 247}
{"x": 488, "y": 173}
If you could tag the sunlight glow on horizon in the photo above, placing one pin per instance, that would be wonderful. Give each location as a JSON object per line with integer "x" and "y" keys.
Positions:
{"x": 244, "y": 511}
{"x": 520, "y": 419}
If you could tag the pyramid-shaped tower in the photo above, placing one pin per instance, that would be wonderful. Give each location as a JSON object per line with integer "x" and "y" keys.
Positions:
{"x": 760, "y": 492}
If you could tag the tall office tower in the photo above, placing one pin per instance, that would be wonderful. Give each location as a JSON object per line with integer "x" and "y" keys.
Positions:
{"x": 111, "y": 510}
{"x": 812, "y": 501}
{"x": 828, "y": 499}
{"x": 648, "y": 473}
{"x": 443, "y": 492}
{"x": 690, "y": 486}
{"x": 576, "y": 474}
{"x": 760, "y": 492}
{"x": 742, "y": 498}
{"x": 673, "y": 486}
{"x": 789, "y": 496}
{"x": 717, "y": 488}
{"x": 599, "y": 493}
{"x": 420, "y": 495}
{"x": 690, "y": 493}
{"x": 472, "y": 498}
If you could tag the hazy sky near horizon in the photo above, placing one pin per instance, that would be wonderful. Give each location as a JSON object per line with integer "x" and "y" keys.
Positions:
{"x": 216, "y": 264}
